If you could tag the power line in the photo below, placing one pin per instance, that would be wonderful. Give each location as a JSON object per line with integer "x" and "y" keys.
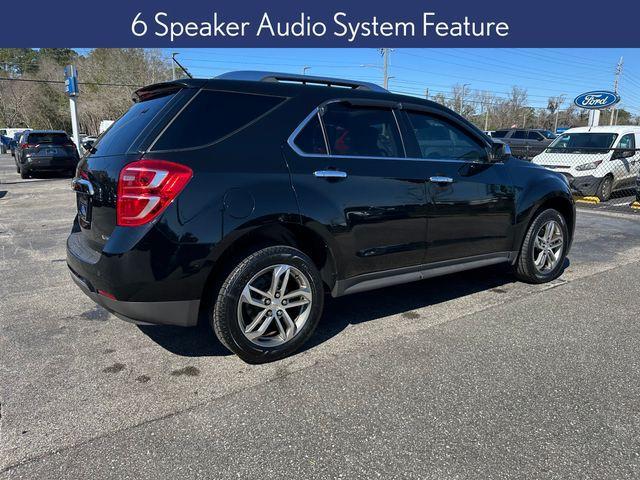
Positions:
{"x": 97, "y": 84}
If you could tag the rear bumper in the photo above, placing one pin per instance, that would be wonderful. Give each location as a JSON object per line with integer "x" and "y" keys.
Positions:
{"x": 50, "y": 163}
{"x": 180, "y": 313}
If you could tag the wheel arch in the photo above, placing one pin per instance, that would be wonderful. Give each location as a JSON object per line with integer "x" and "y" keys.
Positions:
{"x": 562, "y": 201}
{"x": 246, "y": 240}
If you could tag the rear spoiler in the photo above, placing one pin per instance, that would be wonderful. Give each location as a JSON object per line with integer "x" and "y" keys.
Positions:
{"x": 165, "y": 88}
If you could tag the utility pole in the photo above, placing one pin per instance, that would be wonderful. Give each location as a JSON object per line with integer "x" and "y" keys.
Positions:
{"x": 486, "y": 120}
{"x": 616, "y": 82}
{"x": 462, "y": 97}
{"x": 524, "y": 120}
{"x": 426, "y": 94}
{"x": 385, "y": 66}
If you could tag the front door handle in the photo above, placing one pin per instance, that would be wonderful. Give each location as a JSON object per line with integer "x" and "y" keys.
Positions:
{"x": 330, "y": 174}
{"x": 441, "y": 179}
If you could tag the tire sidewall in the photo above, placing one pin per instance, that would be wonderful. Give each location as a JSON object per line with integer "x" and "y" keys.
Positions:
{"x": 238, "y": 279}
{"x": 601, "y": 193}
{"x": 540, "y": 220}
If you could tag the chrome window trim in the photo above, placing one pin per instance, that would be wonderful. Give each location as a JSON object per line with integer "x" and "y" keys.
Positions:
{"x": 404, "y": 149}
{"x": 316, "y": 111}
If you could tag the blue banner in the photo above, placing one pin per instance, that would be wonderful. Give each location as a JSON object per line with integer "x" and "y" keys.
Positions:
{"x": 326, "y": 23}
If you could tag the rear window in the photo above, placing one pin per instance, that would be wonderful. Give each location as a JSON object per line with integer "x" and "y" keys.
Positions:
{"x": 121, "y": 135}
{"x": 212, "y": 115}
{"x": 55, "y": 138}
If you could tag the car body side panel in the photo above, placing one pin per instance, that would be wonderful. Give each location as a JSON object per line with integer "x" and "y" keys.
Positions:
{"x": 535, "y": 186}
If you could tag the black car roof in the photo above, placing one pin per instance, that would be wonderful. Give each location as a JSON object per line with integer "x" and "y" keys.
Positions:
{"x": 292, "y": 85}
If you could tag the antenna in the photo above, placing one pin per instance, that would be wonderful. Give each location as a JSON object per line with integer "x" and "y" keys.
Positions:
{"x": 173, "y": 57}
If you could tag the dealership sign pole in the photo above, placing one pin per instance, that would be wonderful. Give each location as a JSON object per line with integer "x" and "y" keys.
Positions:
{"x": 71, "y": 89}
{"x": 594, "y": 102}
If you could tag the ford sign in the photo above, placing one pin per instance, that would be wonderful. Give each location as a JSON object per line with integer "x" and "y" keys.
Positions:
{"x": 596, "y": 100}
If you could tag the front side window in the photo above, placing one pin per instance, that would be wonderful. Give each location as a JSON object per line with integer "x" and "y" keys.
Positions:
{"x": 627, "y": 142}
{"x": 438, "y": 138}
{"x": 362, "y": 131}
{"x": 535, "y": 135}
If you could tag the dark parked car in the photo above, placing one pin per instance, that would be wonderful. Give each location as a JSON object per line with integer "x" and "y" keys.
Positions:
{"x": 525, "y": 143}
{"x": 45, "y": 150}
{"x": 14, "y": 143}
{"x": 246, "y": 197}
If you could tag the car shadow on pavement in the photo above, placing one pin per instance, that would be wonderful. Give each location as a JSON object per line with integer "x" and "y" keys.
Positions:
{"x": 341, "y": 312}
{"x": 198, "y": 341}
{"x": 351, "y": 309}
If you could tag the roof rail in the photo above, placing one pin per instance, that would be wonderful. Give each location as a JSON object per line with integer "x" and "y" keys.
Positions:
{"x": 259, "y": 76}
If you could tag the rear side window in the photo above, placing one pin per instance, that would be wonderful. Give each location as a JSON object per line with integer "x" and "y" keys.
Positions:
{"x": 363, "y": 132}
{"x": 519, "y": 134}
{"x": 212, "y": 115}
{"x": 499, "y": 133}
{"x": 54, "y": 138}
{"x": 119, "y": 137}
{"x": 310, "y": 139}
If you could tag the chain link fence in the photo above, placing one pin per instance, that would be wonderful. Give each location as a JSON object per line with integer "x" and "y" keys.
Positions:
{"x": 607, "y": 177}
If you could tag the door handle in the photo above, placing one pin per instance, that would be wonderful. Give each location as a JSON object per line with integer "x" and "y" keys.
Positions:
{"x": 441, "y": 179}
{"x": 330, "y": 174}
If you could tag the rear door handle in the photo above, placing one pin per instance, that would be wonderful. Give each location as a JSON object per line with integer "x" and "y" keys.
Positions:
{"x": 330, "y": 174}
{"x": 441, "y": 179}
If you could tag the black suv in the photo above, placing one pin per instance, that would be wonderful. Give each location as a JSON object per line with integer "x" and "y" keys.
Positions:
{"x": 45, "y": 150}
{"x": 248, "y": 196}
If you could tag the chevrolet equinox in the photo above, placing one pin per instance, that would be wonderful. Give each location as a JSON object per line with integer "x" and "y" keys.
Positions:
{"x": 245, "y": 198}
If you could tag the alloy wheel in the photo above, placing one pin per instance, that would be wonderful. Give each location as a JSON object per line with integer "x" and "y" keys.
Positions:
{"x": 274, "y": 305}
{"x": 548, "y": 247}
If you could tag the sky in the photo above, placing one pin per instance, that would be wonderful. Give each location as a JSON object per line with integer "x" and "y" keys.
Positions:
{"x": 543, "y": 72}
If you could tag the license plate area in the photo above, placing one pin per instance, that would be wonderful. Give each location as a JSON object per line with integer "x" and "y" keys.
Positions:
{"x": 83, "y": 202}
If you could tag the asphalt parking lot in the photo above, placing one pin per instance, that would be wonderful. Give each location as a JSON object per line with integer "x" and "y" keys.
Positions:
{"x": 466, "y": 376}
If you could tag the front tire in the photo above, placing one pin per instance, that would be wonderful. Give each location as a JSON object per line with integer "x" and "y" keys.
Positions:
{"x": 544, "y": 248}
{"x": 269, "y": 305}
{"x": 605, "y": 188}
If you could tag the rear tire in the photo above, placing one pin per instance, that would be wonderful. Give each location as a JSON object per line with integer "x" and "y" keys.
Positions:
{"x": 24, "y": 173}
{"x": 540, "y": 260}
{"x": 269, "y": 305}
{"x": 605, "y": 188}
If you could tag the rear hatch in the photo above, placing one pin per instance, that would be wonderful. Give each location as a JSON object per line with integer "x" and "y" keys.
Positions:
{"x": 96, "y": 183}
{"x": 50, "y": 144}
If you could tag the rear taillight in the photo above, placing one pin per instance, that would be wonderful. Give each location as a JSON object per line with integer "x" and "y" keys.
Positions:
{"x": 25, "y": 145}
{"x": 146, "y": 188}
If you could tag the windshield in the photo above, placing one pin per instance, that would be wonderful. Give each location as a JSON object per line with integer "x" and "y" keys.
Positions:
{"x": 583, "y": 142}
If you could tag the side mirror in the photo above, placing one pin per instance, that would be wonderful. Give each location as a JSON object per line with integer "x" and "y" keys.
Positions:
{"x": 626, "y": 153}
{"x": 88, "y": 145}
{"x": 499, "y": 152}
